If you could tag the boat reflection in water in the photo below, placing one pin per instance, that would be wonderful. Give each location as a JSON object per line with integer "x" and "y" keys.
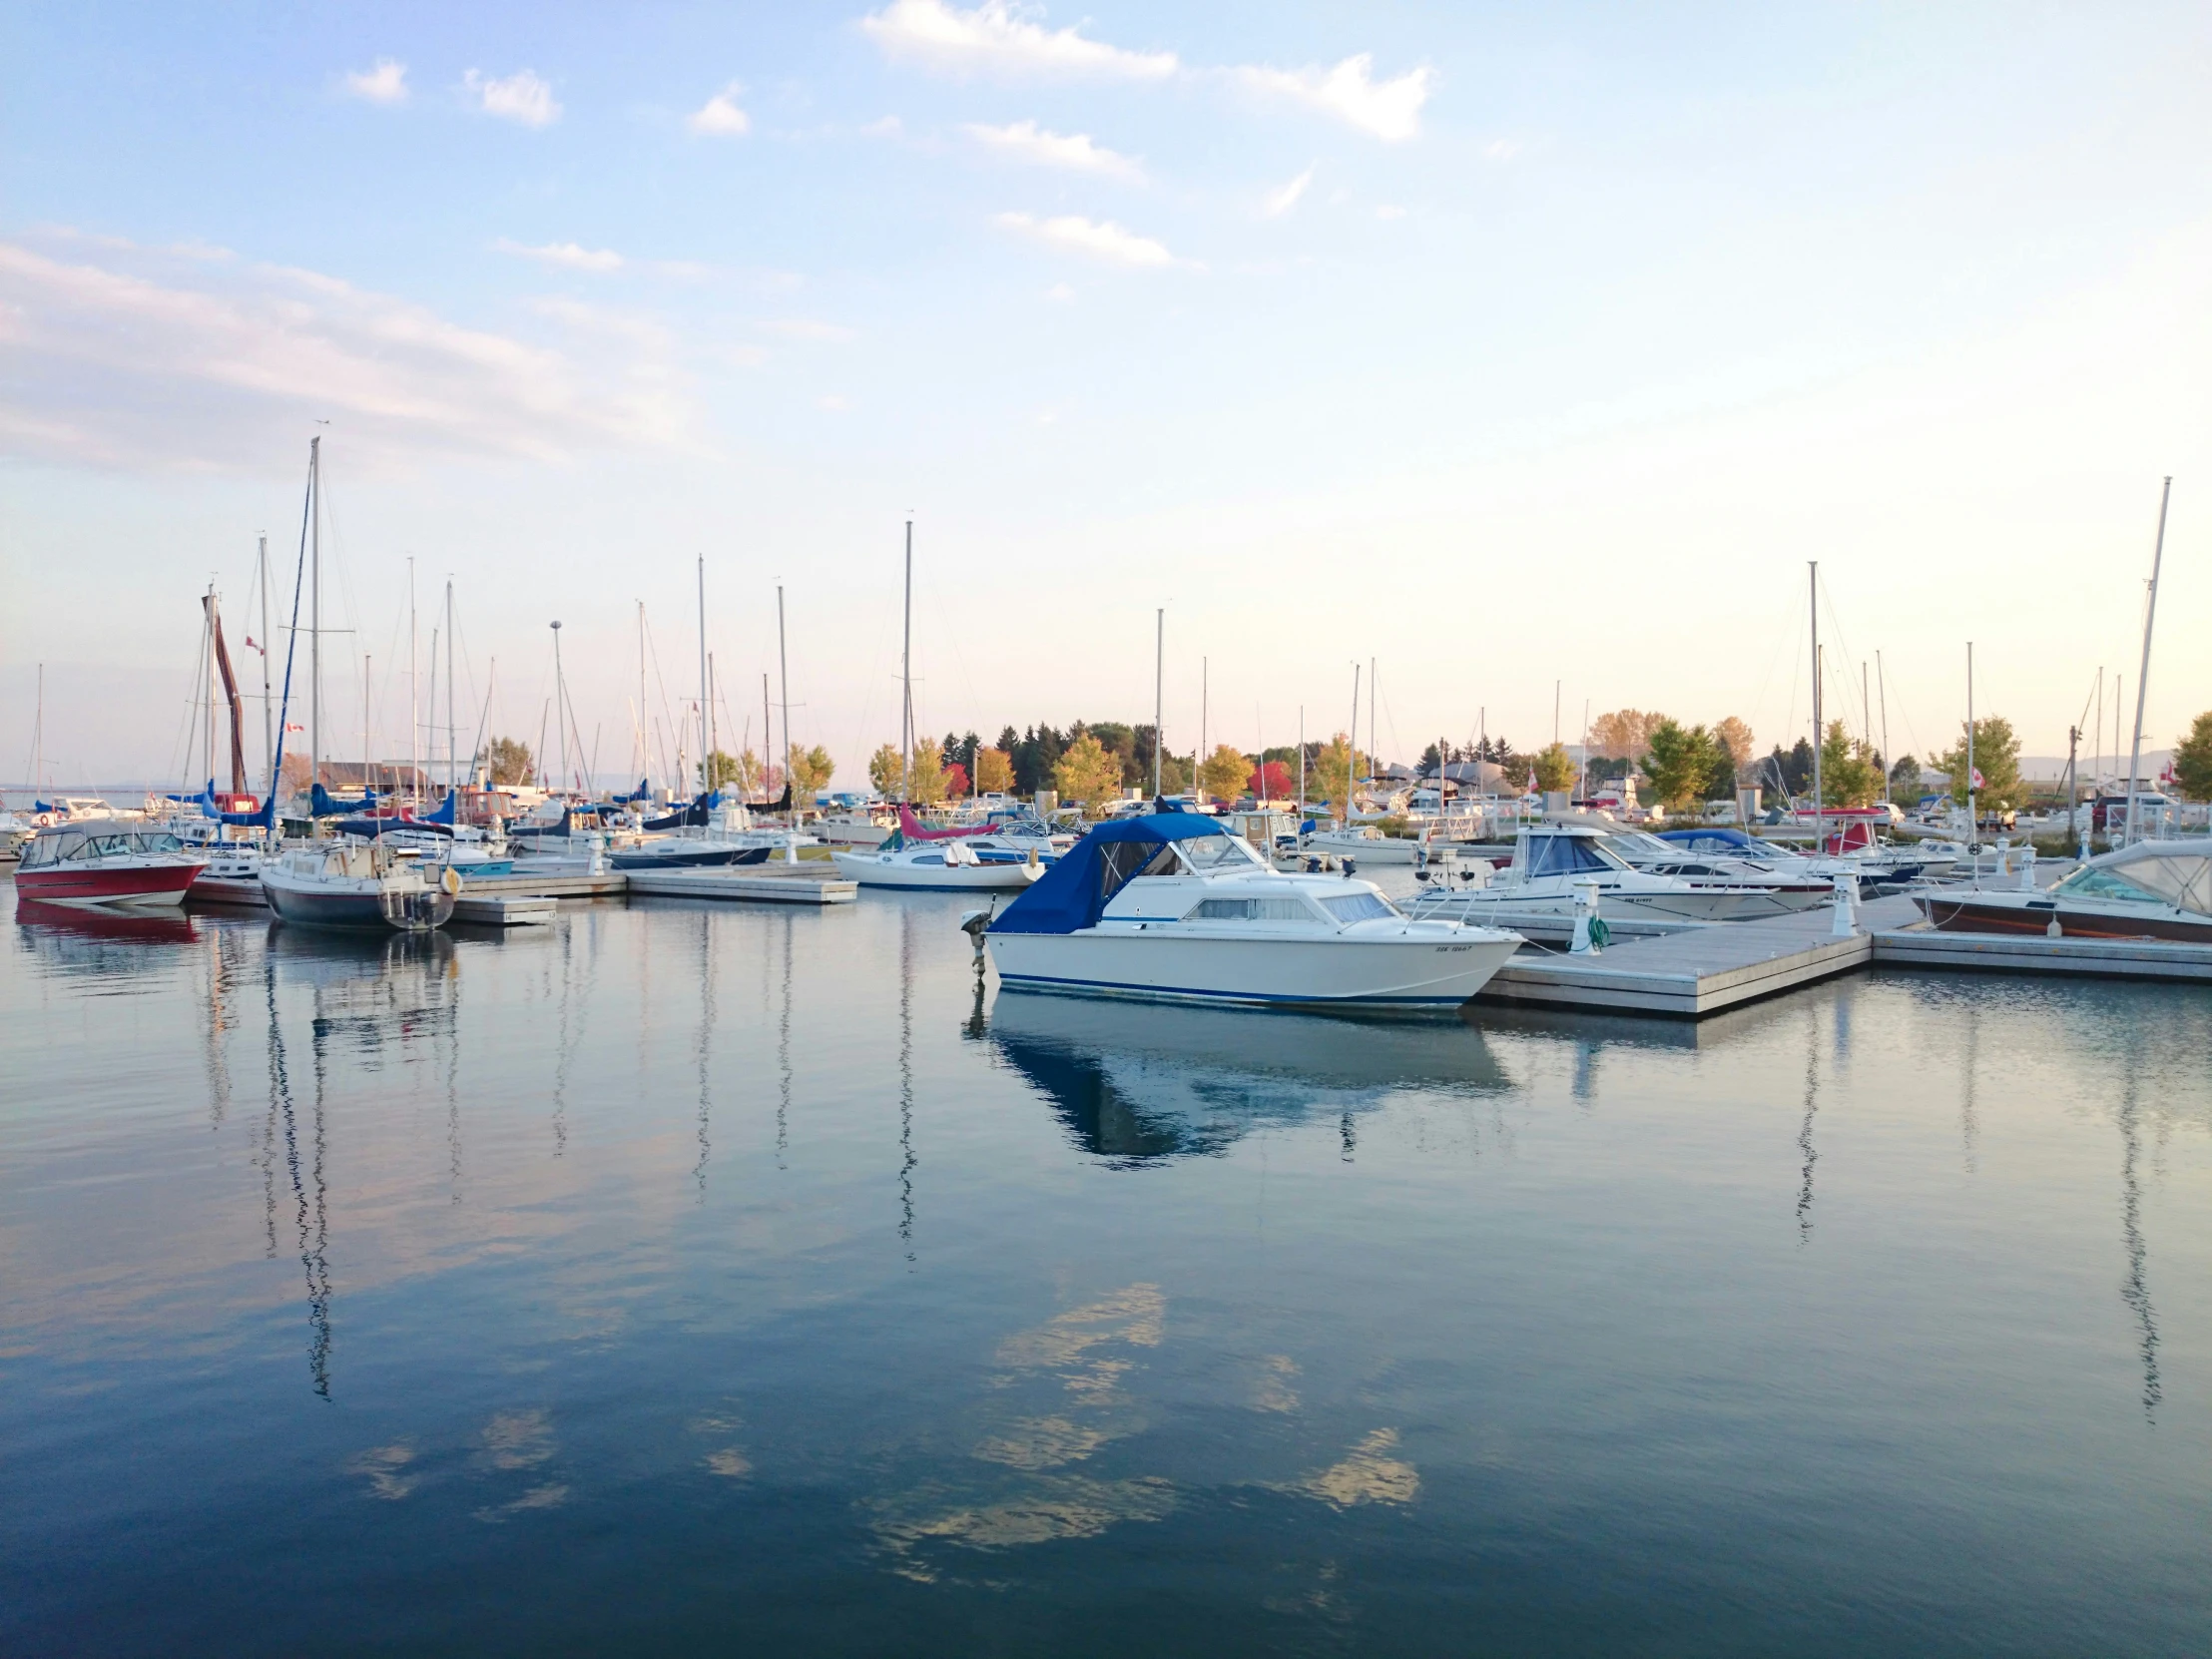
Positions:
{"x": 1135, "y": 1082}
{"x": 369, "y": 986}
{"x": 59, "y": 922}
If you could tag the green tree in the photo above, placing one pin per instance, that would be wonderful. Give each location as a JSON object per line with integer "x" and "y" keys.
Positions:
{"x": 739, "y": 773}
{"x": 1087, "y": 771}
{"x": 885, "y": 768}
{"x": 1334, "y": 772}
{"x": 2193, "y": 760}
{"x": 928, "y": 781}
{"x": 1996, "y": 756}
{"x": 1850, "y": 772}
{"x": 810, "y": 768}
{"x": 1678, "y": 760}
{"x": 1904, "y": 776}
{"x": 1555, "y": 769}
{"x": 508, "y": 760}
{"x": 994, "y": 770}
{"x": 1223, "y": 772}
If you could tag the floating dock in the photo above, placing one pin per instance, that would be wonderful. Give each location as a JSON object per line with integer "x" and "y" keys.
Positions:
{"x": 2029, "y": 954}
{"x": 771, "y": 883}
{"x": 512, "y": 911}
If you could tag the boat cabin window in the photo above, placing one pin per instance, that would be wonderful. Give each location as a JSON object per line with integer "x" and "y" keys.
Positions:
{"x": 1288, "y": 907}
{"x": 1206, "y": 853}
{"x": 1569, "y": 856}
{"x": 1358, "y": 907}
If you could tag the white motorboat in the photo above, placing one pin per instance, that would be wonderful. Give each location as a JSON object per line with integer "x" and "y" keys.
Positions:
{"x": 2151, "y": 890}
{"x": 1551, "y": 859}
{"x": 349, "y": 884}
{"x": 1365, "y": 844}
{"x": 1794, "y": 880}
{"x": 1172, "y": 906}
{"x": 975, "y": 863}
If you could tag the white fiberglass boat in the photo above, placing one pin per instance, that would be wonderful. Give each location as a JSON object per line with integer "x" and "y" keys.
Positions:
{"x": 2151, "y": 890}
{"x": 1172, "y": 906}
{"x": 347, "y": 883}
{"x": 91, "y": 861}
{"x": 1548, "y": 861}
{"x": 1365, "y": 844}
{"x": 971, "y": 864}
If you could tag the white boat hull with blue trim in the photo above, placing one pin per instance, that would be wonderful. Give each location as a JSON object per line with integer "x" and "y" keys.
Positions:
{"x": 943, "y": 866}
{"x": 1162, "y": 907}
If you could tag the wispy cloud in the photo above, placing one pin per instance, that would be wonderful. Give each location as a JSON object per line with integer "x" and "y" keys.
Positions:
{"x": 832, "y": 403}
{"x": 1028, "y": 142}
{"x": 1501, "y": 150}
{"x": 1280, "y": 201}
{"x": 565, "y": 254}
{"x": 385, "y": 83}
{"x": 1101, "y": 239}
{"x": 1390, "y": 209}
{"x": 1390, "y": 109}
{"x": 521, "y": 97}
{"x": 1001, "y": 37}
{"x": 135, "y": 358}
{"x": 720, "y": 115}
{"x": 797, "y": 327}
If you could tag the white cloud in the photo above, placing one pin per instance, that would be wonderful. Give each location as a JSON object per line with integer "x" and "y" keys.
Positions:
{"x": 793, "y": 327}
{"x": 883, "y": 125}
{"x": 1389, "y": 211}
{"x": 720, "y": 115}
{"x": 1501, "y": 150}
{"x": 386, "y": 83}
{"x": 565, "y": 254}
{"x": 1279, "y": 202}
{"x": 1031, "y": 142}
{"x": 520, "y": 97}
{"x": 145, "y": 360}
{"x": 1390, "y": 109}
{"x": 1060, "y": 292}
{"x": 832, "y": 403}
{"x": 998, "y": 35}
{"x": 1102, "y": 239}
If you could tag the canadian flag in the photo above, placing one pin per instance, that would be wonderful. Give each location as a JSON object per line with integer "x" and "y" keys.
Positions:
{"x": 1978, "y": 781}
{"x": 291, "y": 727}
{"x": 250, "y": 646}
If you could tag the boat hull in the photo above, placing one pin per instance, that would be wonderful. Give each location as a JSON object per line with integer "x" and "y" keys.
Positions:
{"x": 873, "y": 871}
{"x": 709, "y": 857}
{"x": 357, "y": 904}
{"x": 1386, "y": 973}
{"x": 1693, "y": 905}
{"x": 135, "y": 885}
{"x": 1972, "y": 913}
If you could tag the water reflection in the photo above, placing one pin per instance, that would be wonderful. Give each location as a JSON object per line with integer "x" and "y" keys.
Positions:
{"x": 2133, "y": 1290}
{"x": 312, "y": 1215}
{"x": 1134, "y": 1082}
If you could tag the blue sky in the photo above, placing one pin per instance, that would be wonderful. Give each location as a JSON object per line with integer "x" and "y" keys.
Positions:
{"x": 1509, "y": 346}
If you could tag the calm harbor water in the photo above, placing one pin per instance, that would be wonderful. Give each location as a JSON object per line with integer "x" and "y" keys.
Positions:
{"x": 678, "y": 1277}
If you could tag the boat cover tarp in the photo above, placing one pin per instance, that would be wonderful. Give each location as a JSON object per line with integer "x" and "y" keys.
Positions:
{"x": 321, "y": 805}
{"x": 1074, "y": 893}
{"x": 2176, "y": 872}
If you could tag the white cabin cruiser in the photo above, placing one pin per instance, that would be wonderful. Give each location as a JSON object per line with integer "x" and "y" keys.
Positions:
{"x": 348, "y": 884}
{"x": 1170, "y": 905}
{"x": 975, "y": 864}
{"x": 1551, "y": 859}
{"x": 1363, "y": 844}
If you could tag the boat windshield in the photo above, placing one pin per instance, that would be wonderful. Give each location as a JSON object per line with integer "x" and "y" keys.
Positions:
{"x": 1209, "y": 854}
{"x": 2092, "y": 882}
{"x": 1569, "y": 856}
{"x": 1359, "y": 907}
{"x": 1287, "y": 907}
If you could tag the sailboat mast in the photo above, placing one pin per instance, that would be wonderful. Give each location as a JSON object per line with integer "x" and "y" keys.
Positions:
{"x": 1372, "y": 698}
{"x": 706, "y": 690}
{"x": 1889, "y": 762}
{"x": 645, "y": 752}
{"x": 560, "y": 711}
{"x": 1199, "y": 758}
{"x": 906, "y": 681}
{"x": 1351, "y": 740}
{"x": 783, "y": 686}
{"x": 1820, "y": 798}
{"x": 2142, "y": 675}
{"x": 1974, "y": 811}
{"x": 38, "y": 739}
{"x": 415, "y": 687}
{"x": 1159, "y": 692}
{"x": 314, "y": 617}
{"x": 268, "y": 731}
{"x": 452, "y": 730}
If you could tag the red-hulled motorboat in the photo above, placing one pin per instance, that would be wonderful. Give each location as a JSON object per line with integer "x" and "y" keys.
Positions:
{"x": 106, "y": 861}
{"x": 2151, "y": 890}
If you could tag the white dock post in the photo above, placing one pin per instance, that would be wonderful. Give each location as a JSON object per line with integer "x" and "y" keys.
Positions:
{"x": 598, "y": 846}
{"x": 1845, "y": 924}
{"x": 1585, "y": 910}
{"x": 2028, "y": 867}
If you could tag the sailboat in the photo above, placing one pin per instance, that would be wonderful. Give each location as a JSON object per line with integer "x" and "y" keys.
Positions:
{"x": 342, "y": 883}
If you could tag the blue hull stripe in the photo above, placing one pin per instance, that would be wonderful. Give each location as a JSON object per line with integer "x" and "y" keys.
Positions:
{"x": 1038, "y": 982}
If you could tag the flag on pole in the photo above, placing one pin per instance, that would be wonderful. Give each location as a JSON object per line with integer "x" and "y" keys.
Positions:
{"x": 1977, "y": 782}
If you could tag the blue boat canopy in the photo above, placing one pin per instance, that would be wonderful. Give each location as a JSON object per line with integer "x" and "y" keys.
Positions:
{"x": 1075, "y": 892}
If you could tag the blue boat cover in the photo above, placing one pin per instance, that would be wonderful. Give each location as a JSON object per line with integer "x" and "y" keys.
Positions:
{"x": 1724, "y": 836}
{"x": 448, "y": 810}
{"x": 1075, "y": 892}
{"x": 321, "y": 805}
